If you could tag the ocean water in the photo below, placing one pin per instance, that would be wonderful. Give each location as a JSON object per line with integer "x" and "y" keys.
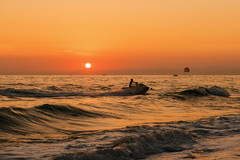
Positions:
{"x": 91, "y": 117}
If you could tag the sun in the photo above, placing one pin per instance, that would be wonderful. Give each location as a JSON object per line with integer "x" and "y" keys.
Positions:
{"x": 88, "y": 65}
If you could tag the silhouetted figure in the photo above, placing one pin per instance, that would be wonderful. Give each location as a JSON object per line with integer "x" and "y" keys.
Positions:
{"x": 130, "y": 84}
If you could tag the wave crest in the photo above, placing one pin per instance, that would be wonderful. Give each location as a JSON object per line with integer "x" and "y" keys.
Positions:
{"x": 137, "y": 147}
{"x": 20, "y": 121}
{"x": 66, "y": 110}
{"x": 202, "y": 91}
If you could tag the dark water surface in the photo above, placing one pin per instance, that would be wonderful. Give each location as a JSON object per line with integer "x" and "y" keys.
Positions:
{"x": 90, "y": 117}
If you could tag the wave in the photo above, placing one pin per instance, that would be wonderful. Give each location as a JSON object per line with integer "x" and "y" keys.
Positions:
{"x": 19, "y": 84}
{"x": 202, "y": 91}
{"x": 66, "y": 110}
{"x": 11, "y": 92}
{"x": 136, "y": 147}
{"x": 53, "y": 91}
{"x": 20, "y": 120}
{"x": 142, "y": 141}
{"x": 15, "y": 84}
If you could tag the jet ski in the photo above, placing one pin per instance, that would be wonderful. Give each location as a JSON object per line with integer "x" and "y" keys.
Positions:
{"x": 136, "y": 89}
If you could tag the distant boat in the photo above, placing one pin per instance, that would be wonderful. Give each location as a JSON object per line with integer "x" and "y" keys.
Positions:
{"x": 175, "y": 75}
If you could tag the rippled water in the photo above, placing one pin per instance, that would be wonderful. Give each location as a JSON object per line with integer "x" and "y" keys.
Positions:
{"x": 90, "y": 117}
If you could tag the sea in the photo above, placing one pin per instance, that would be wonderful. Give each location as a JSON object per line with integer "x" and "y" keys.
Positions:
{"x": 90, "y": 117}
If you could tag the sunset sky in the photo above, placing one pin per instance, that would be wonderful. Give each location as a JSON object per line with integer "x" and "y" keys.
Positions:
{"x": 119, "y": 36}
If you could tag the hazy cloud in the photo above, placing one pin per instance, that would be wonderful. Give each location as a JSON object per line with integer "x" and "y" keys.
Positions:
{"x": 6, "y": 48}
{"x": 75, "y": 52}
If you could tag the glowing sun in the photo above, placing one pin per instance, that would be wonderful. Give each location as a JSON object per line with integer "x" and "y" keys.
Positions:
{"x": 88, "y": 65}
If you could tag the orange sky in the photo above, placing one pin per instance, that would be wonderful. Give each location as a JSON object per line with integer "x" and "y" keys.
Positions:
{"x": 119, "y": 37}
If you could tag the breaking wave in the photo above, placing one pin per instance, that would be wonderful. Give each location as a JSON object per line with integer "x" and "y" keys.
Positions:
{"x": 202, "y": 91}
{"x": 137, "y": 147}
{"x": 142, "y": 141}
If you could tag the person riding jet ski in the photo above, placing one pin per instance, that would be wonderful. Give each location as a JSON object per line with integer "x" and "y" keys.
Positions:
{"x": 131, "y": 82}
